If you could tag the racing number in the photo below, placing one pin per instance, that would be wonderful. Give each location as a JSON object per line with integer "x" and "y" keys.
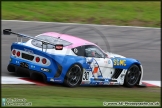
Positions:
{"x": 86, "y": 76}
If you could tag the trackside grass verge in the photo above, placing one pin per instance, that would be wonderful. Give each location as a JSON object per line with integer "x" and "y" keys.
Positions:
{"x": 80, "y": 96}
{"x": 114, "y": 13}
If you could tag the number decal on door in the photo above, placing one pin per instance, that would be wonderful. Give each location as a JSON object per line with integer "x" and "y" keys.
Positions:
{"x": 86, "y": 76}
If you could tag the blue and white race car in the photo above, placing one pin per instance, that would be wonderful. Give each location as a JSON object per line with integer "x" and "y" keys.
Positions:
{"x": 72, "y": 61}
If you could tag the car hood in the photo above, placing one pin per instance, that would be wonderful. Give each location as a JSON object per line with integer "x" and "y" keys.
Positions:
{"x": 113, "y": 55}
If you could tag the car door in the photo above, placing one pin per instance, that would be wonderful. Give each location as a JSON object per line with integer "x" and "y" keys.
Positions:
{"x": 98, "y": 61}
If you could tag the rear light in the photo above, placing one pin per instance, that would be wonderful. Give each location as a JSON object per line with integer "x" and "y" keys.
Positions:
{"x": 14, "y": 52}
{"x": 44, "y": 61}
{"x": 37, "y": 59}
{"x": 18, "y": 53}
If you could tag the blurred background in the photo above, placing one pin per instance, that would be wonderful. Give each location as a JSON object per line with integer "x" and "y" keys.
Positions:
{"x": 146, "y": 13}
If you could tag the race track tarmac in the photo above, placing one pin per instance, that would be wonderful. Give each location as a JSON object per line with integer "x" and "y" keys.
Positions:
{"x": 139, "y": 43}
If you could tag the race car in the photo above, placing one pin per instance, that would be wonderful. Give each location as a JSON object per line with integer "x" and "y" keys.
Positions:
{"x": 72, "y": 61}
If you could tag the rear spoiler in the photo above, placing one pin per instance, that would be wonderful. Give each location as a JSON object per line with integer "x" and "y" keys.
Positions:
{"x": 9, "y": 31}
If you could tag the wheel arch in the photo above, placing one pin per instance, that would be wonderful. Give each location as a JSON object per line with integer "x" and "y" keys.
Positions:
{"x": 141, "y": 75}
{"x": 137, "y": 65}
{"x": 139, "y": 82}
{"x": 80, "y": 65}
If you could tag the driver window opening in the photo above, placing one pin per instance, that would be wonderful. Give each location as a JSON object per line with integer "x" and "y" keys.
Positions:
{"x": 93, "y": 52}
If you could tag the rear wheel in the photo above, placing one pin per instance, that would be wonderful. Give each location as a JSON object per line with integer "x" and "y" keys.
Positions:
{"x": 132, "y": 76}
{"x": 73, "y": 76}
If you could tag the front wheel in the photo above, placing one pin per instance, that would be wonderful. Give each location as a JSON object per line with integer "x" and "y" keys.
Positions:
{"x": 132, "y": 76}
{"x": 73, "y": 76}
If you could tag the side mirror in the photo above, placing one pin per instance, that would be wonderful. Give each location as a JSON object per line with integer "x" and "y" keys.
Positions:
{"x": 105, "y": 56}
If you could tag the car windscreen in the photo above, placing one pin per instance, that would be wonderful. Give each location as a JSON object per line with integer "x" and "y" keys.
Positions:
{"x": 50, "y": 39}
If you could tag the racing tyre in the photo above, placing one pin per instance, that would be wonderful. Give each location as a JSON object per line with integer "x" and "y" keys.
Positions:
{"x": 73, "y": 76}
{"x": 132, "y": 76}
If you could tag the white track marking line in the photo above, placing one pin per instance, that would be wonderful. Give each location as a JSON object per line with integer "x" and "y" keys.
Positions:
{"x": 14, "y": 80}
{"x": 81, "y": 24}
{"x": 157, "y": 83}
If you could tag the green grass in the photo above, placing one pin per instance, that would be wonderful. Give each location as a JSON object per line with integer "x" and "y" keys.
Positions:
{"x": 117, "y": 13}
{"x": 80, "y": 96}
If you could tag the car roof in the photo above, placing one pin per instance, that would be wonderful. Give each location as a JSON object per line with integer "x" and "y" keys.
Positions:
{"x": 72, "y": 39}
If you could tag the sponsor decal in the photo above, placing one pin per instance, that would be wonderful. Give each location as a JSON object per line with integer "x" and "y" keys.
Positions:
{"x": 82, "y": 83}
{"x": 111, "y": 83}
{"x": 119, "y": 62}
{"x": 101, "y": 83}
{"x": 93, "y": 65}
{"x": 88, "y": 69}
{"x": 114, "y": 83}
{"x": 57, "y": 80}
{"x": 28, "y": 51}
{"x": 106, "y": 83}
{"x": 51, "y": 79}
{"x": 75, "y": 50}
{"x": 45, "y": 70}
{"x": 109, "y": 61}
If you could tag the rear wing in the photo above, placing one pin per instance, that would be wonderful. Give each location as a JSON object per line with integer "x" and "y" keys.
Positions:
{"x": 9, "y": 31}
